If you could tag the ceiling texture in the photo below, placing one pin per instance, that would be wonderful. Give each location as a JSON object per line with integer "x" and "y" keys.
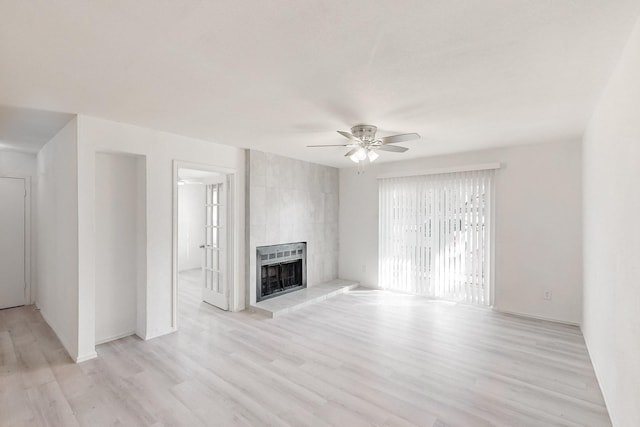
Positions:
{"x": 279, "y": 75}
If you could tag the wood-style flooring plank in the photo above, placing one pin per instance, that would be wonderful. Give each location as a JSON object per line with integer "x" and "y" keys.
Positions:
{"x": 364, "y": 358}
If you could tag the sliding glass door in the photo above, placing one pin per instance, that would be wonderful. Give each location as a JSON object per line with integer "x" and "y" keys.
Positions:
{"x": 435, "y": 233}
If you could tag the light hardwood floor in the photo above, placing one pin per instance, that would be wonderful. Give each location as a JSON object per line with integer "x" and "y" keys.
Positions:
{"x": 365, "y": 358}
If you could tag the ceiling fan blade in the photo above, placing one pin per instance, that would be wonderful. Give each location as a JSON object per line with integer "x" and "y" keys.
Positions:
{"x": 351, "y": 152}
{"x": 331, "y": 145}
{"x": 348, "y": 135}
{"x": 398, "y": 138}
{"x": 394, "y": 148}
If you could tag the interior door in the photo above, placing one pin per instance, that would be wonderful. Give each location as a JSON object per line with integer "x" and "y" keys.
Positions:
{"x": 12, "y": 281}
{"x": 214, "y": 274}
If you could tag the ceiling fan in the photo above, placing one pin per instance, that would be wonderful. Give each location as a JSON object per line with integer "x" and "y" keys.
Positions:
{"x": 364, "y": 143}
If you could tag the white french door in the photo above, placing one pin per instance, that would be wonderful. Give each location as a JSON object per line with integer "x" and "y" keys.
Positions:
{"x": 214, "y": 277}
{"x": 435, "y": 233}
{"x": 12, "y": 245}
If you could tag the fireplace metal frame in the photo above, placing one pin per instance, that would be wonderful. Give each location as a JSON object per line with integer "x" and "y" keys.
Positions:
{"x": 279, "y": 254}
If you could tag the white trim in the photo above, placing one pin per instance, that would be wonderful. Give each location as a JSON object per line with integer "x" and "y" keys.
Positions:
{"x": 159, "y": 334}
{"x": 85, "y": 357}
{"x": 232, "y": 256}
{"x": 492, "y": 244}
{"x": 115, "y": 337}
{"x": 231, "y": 243}
{"x": 453, "y": 169}
{"x": 61, "y": 338}
{"x": 174, "y": 246}
{"x": 532, "y": 316}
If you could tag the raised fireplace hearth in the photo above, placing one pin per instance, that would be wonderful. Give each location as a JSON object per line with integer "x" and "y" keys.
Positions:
{"x": 280, "y": 269}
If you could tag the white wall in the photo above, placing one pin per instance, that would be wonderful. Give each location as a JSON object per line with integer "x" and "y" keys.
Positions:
{"x": 611, "y": 320}
{"x": 13, "y": 163}
{"x": 17, "y": 163}
{"x": 190, "y": 226}
{"x": 538, "y": 225}
{"x": 120, "y": 224}
{"x": 160, "y": 150}
{"x": 57, "y": 260}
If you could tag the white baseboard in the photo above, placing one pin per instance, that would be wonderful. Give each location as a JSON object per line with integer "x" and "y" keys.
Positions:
{"x": 115, "y": 337}
{"x": 159, "y": 334}
{"x": 515, "y": 313}
{"x": 53, "y": 328}
{"x": 531, "y": 316}
{"x": 86, "y": 357}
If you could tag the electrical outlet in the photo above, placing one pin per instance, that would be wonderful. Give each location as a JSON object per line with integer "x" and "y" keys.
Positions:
{"x": 547, "y": 295}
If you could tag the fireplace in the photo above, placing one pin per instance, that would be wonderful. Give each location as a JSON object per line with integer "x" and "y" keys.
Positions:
{"x": 280, "y": 269}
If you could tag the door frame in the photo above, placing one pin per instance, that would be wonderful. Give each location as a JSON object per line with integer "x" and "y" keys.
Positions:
{"x": 230, "y": 233}
{"x": 29, "y": 294}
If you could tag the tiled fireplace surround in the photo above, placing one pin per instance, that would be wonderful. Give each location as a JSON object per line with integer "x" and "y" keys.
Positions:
{"x": 290, "y": 201}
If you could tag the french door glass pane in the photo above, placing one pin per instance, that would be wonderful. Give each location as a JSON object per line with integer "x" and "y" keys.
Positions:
{"x": 215, "y": 189}
{"x": 209, "y": 210}
{"x": 214, "y": 215}
{"x": 215, "y": 256}
{"x": 208, "y": 282}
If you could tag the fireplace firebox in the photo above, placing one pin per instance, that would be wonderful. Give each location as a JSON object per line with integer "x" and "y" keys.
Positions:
{"x": 280, "y": 269}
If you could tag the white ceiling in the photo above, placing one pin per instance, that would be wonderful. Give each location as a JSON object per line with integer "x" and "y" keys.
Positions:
{"x": 27, "y": 130}
{"x": 276, "y": 76}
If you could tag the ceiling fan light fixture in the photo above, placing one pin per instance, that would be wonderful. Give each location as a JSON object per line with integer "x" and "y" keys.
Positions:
{"x": 359, "y": 155}
{"x": 364, "y": 144}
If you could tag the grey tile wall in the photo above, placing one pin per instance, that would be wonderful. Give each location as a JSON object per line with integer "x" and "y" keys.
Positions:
{"x": 289, "y": 201}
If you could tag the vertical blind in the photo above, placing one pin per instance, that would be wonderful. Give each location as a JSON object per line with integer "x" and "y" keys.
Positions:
{"x": 435, "y": 235}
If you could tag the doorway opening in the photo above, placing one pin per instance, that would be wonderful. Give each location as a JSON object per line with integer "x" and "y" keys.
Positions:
{"x": 15, "y": 247}
{"x": 203, "y": 239}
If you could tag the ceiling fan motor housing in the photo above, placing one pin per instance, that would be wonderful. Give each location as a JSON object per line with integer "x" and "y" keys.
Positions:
{"x": 364, "y": 132}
